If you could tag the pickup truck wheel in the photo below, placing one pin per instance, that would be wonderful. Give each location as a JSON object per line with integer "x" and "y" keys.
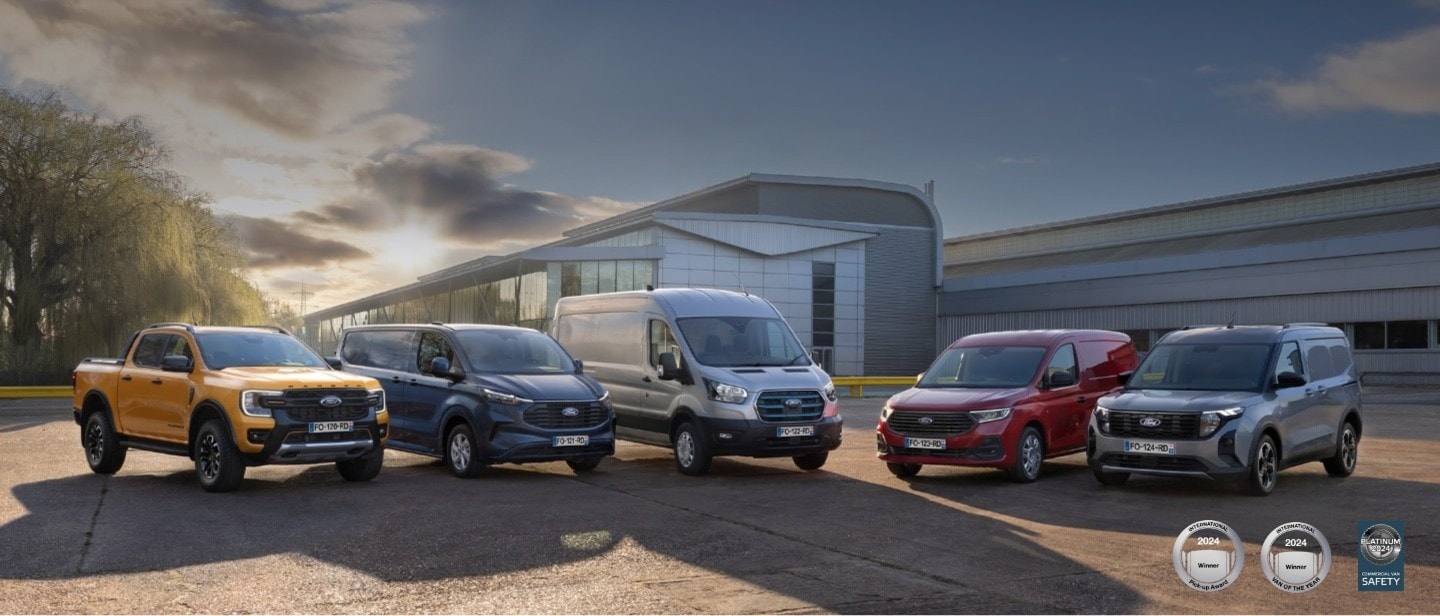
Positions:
{"x": 460, "y": 452}
{"x": 1347, "y": 452}
{"x": 902, "y": 470}
{"x": 217, "y": 462}
{"x": 692, "y": 453}
{"x": 581, "y": 465}
{"x": 811, "y": 461}
{"x": 102, "y": 448}
{"x": 363, "y": 468}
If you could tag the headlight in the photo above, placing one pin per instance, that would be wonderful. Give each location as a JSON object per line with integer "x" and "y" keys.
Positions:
{"x": 605, "y": 402}
{"x": 829, "y": 391}
{"x": 885, "y": 413}
{"x": 1210, "y": 421}
{"x": 724, "y": 392}
{"x": 1102, "y": 418}
{"x": 500, "y": 397}
{"x": 252, "y": 402}
{"x": 375, "y": 400}
{"x": 990, "y": 415}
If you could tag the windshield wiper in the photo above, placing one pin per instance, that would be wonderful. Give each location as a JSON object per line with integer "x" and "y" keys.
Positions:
{"x": 797, "y": 358}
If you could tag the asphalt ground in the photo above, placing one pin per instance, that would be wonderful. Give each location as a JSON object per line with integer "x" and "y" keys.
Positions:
{"x": 634, "y": 536}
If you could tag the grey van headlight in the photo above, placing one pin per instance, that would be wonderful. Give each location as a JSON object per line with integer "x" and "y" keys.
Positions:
{"x": 1210, "y": 421}
{"x": 990, "y": 415}
{"x": 725, "y": 392}
{"x": 1102, "y": 418}
{"x": 829, "y": 391}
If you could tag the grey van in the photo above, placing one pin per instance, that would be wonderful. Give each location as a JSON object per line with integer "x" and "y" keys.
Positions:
{"x": 705, "y": 372}
{"x": 475, "y": 395}
{"x": 1233, "y": 402}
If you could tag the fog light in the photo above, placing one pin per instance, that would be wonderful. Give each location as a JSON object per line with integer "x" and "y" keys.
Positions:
{"x": 725, "y": 436}
{"x": 257, "y": 436}
{"x": 383, "y": 430}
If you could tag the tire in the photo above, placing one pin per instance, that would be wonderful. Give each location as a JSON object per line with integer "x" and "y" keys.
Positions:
{"x": 103, "y": 450}
{"x": 217, "y": 462}
{"x": 1264, "y": 468}
{"x": 1347, "y": 452}
{"x": 692, "y": 452}
{"x": 811, "y": 461}
{"x": 903, "y": 470}
{"x": 1029, "y": 456}
{"x": 461, "y": 454}
{"x": 1110, "y": 479}
{"x": 363, "y": 468}
{"x": 584, "y": 465}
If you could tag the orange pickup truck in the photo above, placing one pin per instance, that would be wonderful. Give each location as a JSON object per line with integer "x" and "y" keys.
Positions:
{"x": 227, "y": 398}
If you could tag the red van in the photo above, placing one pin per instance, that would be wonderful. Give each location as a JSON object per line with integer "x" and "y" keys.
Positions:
{"x": 1004, "y": 400}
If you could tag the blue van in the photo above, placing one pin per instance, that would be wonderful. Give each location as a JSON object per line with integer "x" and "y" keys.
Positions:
{"x": 475, "y": 395}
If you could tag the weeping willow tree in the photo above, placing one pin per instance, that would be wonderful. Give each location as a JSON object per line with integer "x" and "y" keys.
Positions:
{"x": 98, "y": 238}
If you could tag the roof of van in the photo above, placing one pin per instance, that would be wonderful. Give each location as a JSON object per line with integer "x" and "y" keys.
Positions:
{"x": 1037, "y": 337}
{"x": 685, "y": 302}
{"x": 1220, "y": 334}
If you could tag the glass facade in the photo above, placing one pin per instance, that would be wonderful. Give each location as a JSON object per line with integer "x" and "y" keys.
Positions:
{"x": 526, "y": 298}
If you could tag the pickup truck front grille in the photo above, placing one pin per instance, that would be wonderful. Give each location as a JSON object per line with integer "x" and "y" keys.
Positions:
{"x": 304, "y": 404}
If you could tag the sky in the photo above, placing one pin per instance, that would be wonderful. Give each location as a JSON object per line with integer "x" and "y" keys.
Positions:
{"x": 354, "y": 146}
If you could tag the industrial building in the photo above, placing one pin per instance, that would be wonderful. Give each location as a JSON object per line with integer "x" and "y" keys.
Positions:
{"x": 853, "y": 265}
{"x": 1360, "y": 252}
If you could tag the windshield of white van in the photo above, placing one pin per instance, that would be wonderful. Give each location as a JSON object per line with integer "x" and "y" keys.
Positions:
{"x": 742, "y": 341}
{"x": 513, "y": 351}
{"x": 1204, "y": 367}
{"x": 984, "y": 367}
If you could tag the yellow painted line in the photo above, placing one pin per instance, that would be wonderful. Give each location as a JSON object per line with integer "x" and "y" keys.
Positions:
{"x": 28, "y": 391}
{"x": 857, "y": 383}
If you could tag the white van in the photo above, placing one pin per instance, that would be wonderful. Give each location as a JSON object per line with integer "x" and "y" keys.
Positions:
{"x": 706, "y": 372}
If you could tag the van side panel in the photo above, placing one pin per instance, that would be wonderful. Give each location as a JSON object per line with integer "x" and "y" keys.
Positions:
{"x": 613, "y": 347}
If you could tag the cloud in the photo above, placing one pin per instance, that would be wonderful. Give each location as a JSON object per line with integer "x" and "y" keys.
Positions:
{"x": 274, "y": 244}
{"x": 1208, "y": 69}
{"x": 1021, "y": 160}
{"x": 1399, "y": 75}
{"x": 458, "y": 188}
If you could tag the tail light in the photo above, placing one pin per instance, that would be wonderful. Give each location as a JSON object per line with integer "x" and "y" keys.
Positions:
{"x": 73, "y": 379}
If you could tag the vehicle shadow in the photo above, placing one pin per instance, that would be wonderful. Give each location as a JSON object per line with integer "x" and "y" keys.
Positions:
{"x": 821, "y": 538}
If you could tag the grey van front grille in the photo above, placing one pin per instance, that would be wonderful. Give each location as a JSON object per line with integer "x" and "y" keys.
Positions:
{"x": 914, "y": 423}
{"x": 1172, "y": 425}
{"x": 551, "y": 415}
{"x": 789, "y": 405}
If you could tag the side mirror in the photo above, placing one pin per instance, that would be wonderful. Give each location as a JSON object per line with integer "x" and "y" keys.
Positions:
{"x": 579, "y": 366}
{"x": 335, "y": 362}
{"x": 919, "y": 377}
{"x": 669, "y": 367}
{"x": 440, "y": 366}
{"x": 1057, "y": 380}
{"x": 1289, "y": 379}
{"x": 177, "y": 363}
{"x": 1124, "y": 377}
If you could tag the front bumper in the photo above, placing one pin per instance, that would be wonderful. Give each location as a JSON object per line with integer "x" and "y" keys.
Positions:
{"x": 291, "y": 442}
{"x": 513, "y": 440}
{"x": 983, "y": 445}
{"x": 1210, "y": 458}
{"x": 760, "y": 439}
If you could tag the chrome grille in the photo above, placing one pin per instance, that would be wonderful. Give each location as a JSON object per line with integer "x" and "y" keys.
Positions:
{"x": 1172, "y": 425}
{"x": 941, "y": 424}
{"x": 551, "y": 415}
{"x": 775, "y": 405}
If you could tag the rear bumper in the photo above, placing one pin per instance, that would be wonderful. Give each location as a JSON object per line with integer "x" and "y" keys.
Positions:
{"x": 760, "y": 439}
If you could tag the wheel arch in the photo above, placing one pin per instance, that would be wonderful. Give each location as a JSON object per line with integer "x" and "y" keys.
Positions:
{"x": 204, "y": 411}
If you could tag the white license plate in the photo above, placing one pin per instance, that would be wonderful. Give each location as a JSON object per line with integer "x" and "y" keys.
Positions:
{"x": 570, "y": 441}
{"x": 924, "y": 443}
{"x": 1149, "y": 447}
{"x": 789, "y": 431}
{"x": 331, "y": 426}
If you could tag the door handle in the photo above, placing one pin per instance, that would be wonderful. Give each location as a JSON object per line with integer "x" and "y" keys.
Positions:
{"x": 646, "y": 379}
{"x": 395, "y": 379}
{"x": 156, "y": 381}
{"x": 1080, "y": 399}
{"x": 126, "y": 378}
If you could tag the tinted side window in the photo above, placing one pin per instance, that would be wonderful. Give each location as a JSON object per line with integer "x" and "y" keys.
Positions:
{"x": 152, "y": 348}
{"x": 1317, "y": 358}
{"x": 1340, "y": 357}
{"x": 432, "y": 345}
{"x": 1290, "y": 360}
{"x": 388, "y": 349}
{"x": 662, "y": 341}
{"x": 1063, "y": 361}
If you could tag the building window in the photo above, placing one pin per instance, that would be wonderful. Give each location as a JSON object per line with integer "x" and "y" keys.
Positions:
{"x": 1375, "y": 335}
{"x": 822, "y": 305}
{"x": 1141, "y": 338}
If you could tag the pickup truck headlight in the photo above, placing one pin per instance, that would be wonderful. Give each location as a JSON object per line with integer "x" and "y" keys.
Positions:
{"x": 725, "y": 392}
{"x": 507, "y": 399}
{"x": 829, "y": 391}
{"x": 252, "y": 402}
{"x": 990, "y": 415}
{"x": 376, "y": 401}
{"x": 1210, "y": 421}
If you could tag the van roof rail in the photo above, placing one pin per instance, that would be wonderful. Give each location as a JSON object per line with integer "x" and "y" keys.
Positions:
{"x": 274, "y": 328}
{"x": 1304, "y": 324}
{"x": 189, "y": 327}
{"x": 1189, "y": 327}
{"x": 439, "y": 323}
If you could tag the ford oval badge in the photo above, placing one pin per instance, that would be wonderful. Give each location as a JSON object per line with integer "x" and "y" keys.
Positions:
{"x": 570, "y": 411}
{"x": 1150, "y": 422}
{"x": 925, "y": 421}
{"x": 330, "y": 401}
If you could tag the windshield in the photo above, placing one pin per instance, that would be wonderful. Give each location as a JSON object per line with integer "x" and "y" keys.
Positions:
{"x": 742, "y": 341}
{"x": 1204, "y": 367}
{"x": 984, "y": 367}
{"x": 514, "y": 351}
{"x": 223, "y": 350}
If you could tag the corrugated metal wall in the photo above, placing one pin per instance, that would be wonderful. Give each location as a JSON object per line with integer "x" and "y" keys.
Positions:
{"x": 899, "y": 317}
